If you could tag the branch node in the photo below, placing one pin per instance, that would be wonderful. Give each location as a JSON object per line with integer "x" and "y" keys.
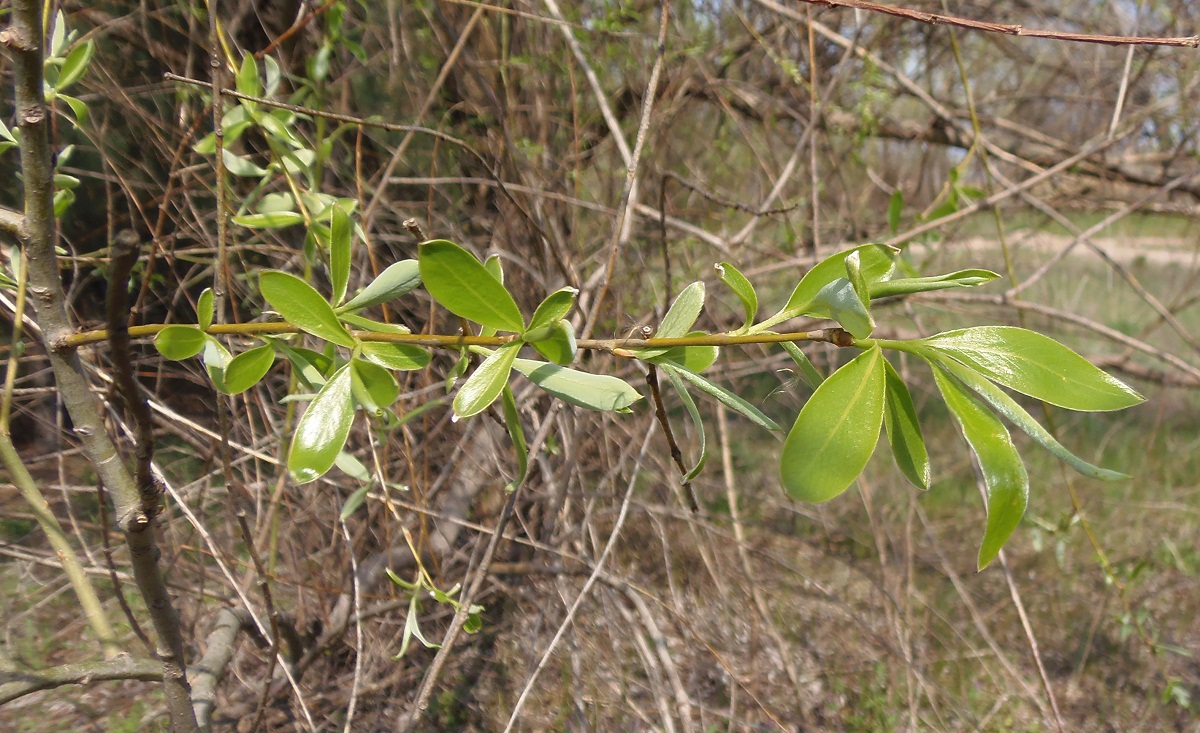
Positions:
{"x": 16, "y": 40}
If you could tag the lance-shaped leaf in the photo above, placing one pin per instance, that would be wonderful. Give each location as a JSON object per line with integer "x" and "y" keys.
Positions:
{"x": 554, "y": 308}
{"x": 401, "y": 357}
{"x": 247, "y": 77}
{"x": 204, "y": 309}
{"x": 303, "y": 307}
{"x": 909, "y": 285}
{"x": 373, "y": 387}
{"x": 1035, "y": 365}
{"x": 485, "y": 384}
{"x": 246, "y": 369}
{"x": 323, "y": 429}
{"x": 903, "y": 429}
{"x": 463, "y": 286}
{"x": 272, "y": 220}
{"x": 807, "y": 369}
{"x": 680, "y": 317}
{"x": 179, "y": 342}
{"x": 1005, "y": 482}
{"x": 725, "y": 397}
{"x": 341, "y": 231}
{"x": 742, "y": 288}
{"x": 1014, "y": 413}
{"x": 367, "y": 324}
{"x": 582, "y": 389}
{"x": 836, "y": 431}
{"x": 398, "y": 279}
{"x": 694, "y": 414}
{"x": 875, "y": 263}
{"x": 516, "y": 433}
{"x": 693, "y": 358}
{"x": 841, "y": 302}
{"x": 895, "y": 207}
{"x": 216, "y": 358}
{"x": 857, "y": 279}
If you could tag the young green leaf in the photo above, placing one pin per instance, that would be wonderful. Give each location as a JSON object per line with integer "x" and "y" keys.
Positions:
{"x": 694, "y": 414}
{"x": 246, "y": 369}
{"x": 554, "y": 308}
{"x": 909, "y": 285}
{"x": 462, "y": 285}
{"x": 241, "y": 167}
{"x": 341, "y": 229}
{"x": 352, "y": 467}
{"x": 247, "y": 77}
{"x": 368, "y": 324}
{"x": 75, "y": 65}
{"x": 876, "y": 263}
{"x": 373, "y": 387}
{"x": 179, "y": 342}
{"x": 516, "y": 433}
{"x": 485, "y": 384}
{"x": 895, "y": 206}
{"x": 693, "y": 358}
{"x": 725, "y": 397}
{"x": 322, "y": 430}
{"x": 742, "y": 288}
{"x": 582, "y": 389}
{"x": 401, "y": 357}
{"x": 683, "y": 312}
{"x": 216, "y": 358}
{"x": 1005, "y": 482}
{"x": 807, "y": 370}
{"x": 204, "y": 309}
{"x": 836, "y": 431}
{"x": 840, "y": 301}
{"x": 1014, "y": 413}
{"x": 903, "y": 429}
{"x": 398, "y": 279}
{"x": 1035, "y": 365}
{"x": 310, "y": 365}
{"x": 353, "y": 502}
{"x": 78, "y": 107}
{"x": 857, "y": 280}
{"x": 303, "y": 307}
{"x": 559, "y": 345}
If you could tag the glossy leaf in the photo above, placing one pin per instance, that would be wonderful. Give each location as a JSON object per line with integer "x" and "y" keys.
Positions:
{"x": 216, "y": 359}
{"x": 554, "y": 308}
{"x": 246, "y": 369}
{"x": 303, "y": 307}
{"x": 726, "y": 398}
{"x": 694, "y": 413}
{"x": 1005, "y": 481}
{"x": 400, "y": 357}
{"x": 903, "y": 429}
{"x": 400, "y": 278}
{"x": 341, "y": 229}
{"x": 323, "y": 429}
{"x": 373, "y": 387}
{"x": 807, "y": 370}
{"x": 857, "y": 280}
{"x": 582, "y": 389}
{"x": 1035, "y": 365}
{"x": 179, "y": 342}
{"x": 742, "y": 288}
{"x": 1014, "y": 413}
{"x": 559, "y": 345}
{"x": 516, "y": 433}
{"x": 462, "y": 285}
{"x": 909, "y": 285}
{"x": 836, "y": 431}
{"x": 204, "y": 309}
{"x": 488, "y": 380}
{"x": 875, "y": 263}
{"x": 839, "y": 301}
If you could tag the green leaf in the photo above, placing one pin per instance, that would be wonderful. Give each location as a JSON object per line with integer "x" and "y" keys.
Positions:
{"x": 836, "y": 431}
{"x": 742, "y": 288}
{"x": 368, "y": 324}
{"x": 1035, "y": 365}
{"x": 400, "y": 278}
{"x": 240, "y": 166}
{"x": 272, "y": 220}
{"x": 493, "y": 265}
{"x": 303, "y": 307}
{"x": 857, "y": 280}
{"x": 807, "y": 370}
{"x": 246, "y": 369}
{"x": 726, "y": 397}
{"x": 1014, "y": 413}
{"x": 353, "y": 502}
{"x": 582, "y": 389}
{"x": 78, "y": 107}
{"x": 875, "y": 263}
{"x": 312, "y": 366}
{"x": 401, "y": 357}
{"x": 341, "y": 229}
{"x": 62, "y": 201}
{"x": 683, "y": 312}
{"x": 694, "y": 413}
{"x": 322, "y": 430}
{"x": 76, "y": 65}
{"x": 1005, "y": 481}
{"x": 693, "y": 358}
{"x": 485, "y": 384}
{"x": 840, "y": 301}
{"x": 352, "y": 467}
{"x": 274, "y": 75}
{"x": 204, "y": 309}
{"x": 179, "y": 342}
{"x": 216, "y": 359}
{"x": 373, "y": 386}
{"x": 895, "y": 206}
{"x": 906, "y": 286}
{"x": 464, "y": 287}
{"x": 516, "y": 433}
{"x": 247, "y": 77}
{"x": 554, "y": 308}
{"x": 903, "y": 429}
{"x": 559, "y": 346}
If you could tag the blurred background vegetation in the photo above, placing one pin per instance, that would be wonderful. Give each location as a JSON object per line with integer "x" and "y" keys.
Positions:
{"x": 779, "y": 132}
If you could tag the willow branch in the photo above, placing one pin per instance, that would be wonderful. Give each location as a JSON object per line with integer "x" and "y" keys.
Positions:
{"x": 16, "y": 683}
